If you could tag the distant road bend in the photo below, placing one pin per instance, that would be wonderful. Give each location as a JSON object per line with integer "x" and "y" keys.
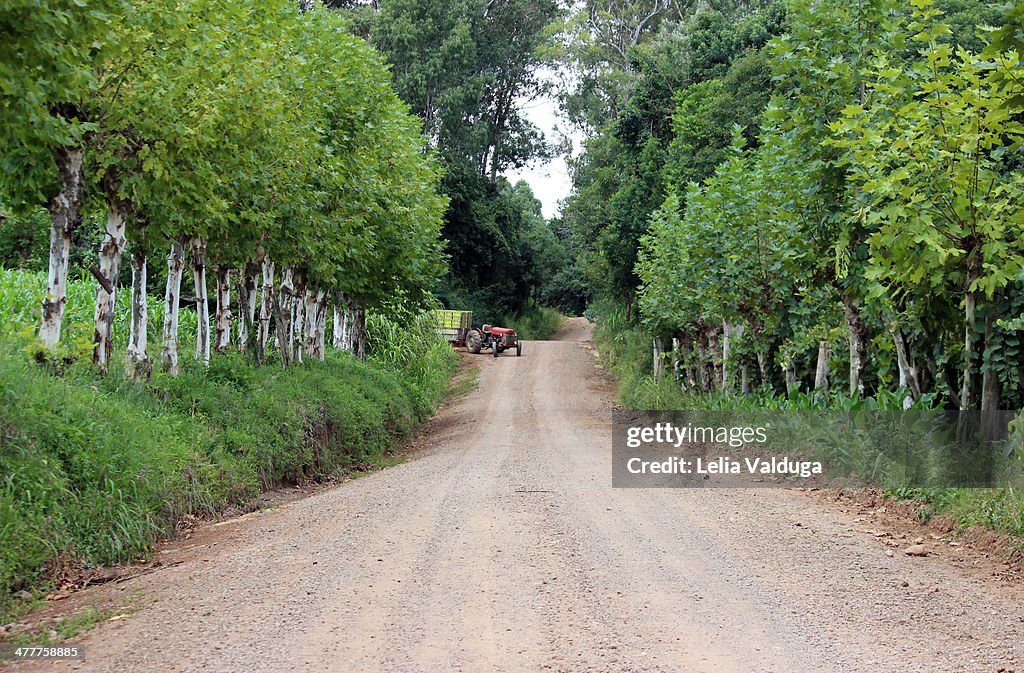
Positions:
{"x": 503, "y": 547}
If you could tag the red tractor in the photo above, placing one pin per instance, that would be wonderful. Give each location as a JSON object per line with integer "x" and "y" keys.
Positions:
{"x": 456, "y": 327}
{"x": 502, "y": 339}
{"x": 498, "y": 339}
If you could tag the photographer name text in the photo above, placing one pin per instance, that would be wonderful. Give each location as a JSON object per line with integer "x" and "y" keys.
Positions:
{"x": 775, "y": 466}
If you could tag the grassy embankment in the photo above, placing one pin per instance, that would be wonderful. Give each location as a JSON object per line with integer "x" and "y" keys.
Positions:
{"x": 97, "y": 469}
{"x": 626, "y": 353}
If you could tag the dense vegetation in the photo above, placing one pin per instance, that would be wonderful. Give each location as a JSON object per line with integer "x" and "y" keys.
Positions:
{"x": 787, "y": 190}
{"x": 805, "y": 205}
{"x": 795, "y": 203}
{"x": 467, "y": 69}
{"x": 262, "y": 142}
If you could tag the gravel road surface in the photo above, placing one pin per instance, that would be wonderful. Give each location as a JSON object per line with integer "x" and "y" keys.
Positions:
{"x": 502, "y": 547}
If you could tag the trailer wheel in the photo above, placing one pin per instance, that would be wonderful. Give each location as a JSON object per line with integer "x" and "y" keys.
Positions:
{"x": 473, "y": 341}
{"x": 519, "y": 348}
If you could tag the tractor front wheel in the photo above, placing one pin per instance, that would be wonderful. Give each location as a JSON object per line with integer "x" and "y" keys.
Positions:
{"x": 519, "y": 348}
{"x": 494, "y": 347}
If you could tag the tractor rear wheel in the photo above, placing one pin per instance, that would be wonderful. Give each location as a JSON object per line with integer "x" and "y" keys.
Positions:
{"x": 473, "y": 341}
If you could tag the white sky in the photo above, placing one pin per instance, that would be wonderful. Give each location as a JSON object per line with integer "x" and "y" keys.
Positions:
{"x": 549, "y": 180}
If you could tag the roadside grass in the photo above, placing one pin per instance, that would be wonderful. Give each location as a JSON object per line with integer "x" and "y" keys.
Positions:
{"x": 465, "y": 382}
{"x": 96, "y": 469}
{"x": 536, "y": 323}
{"x": 626, "y": 353}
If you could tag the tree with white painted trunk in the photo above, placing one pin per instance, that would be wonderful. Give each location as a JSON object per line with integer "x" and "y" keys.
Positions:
{"x": 222, "y": 317}
{"x": 172, "y": 304}
{"x": 266, "y": 308}
{"x": 109, "y": 270}
{"x": 233, "y": 139}
{"x": 247, "y": 297}
{"x": 197, "y": 263}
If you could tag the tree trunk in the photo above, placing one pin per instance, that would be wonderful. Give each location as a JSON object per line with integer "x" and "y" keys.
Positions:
{"x": 857, "y": 329}
{"x": 64, "y": 216}
{"x": 908, "y": 374}
{"x": 350, "y": 326}
{"x": 822, "y": 370}
{"x": 298, "y": 322}
{"x": 314, "y": 319}
{"x": 359, "y": 332}
{"x": 266, "y": 309}
{"x": 970, "y": 299}
{"x": 198, "y": 259}
{"x": 704, "y": 369}
{"x": 321, "y": 324}
{"x": 715, "y": 353}
{"x": 172, "y": 300}
{"x": 283, "y": 316}
{"x": 247, "y": 303}
{"x": 110, "y": 255}
{"x": 691, "y": 376}
{"x": 991, "y": 386}
{"x": 762, "y": 370}
{"x": 745, "y": 378}
{"x": 340, "y": 336}
{"x": 726, "y": 353}
{"x": 139, "y": 365}
{"x": 675, "y": 359}
{"x": 791, "y": 384}
{"x": 659, "y": 362}
{"x": 222, "y": 320}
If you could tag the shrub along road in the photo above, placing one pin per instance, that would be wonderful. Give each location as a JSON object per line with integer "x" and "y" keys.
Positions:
{"x": 503, "y": 547}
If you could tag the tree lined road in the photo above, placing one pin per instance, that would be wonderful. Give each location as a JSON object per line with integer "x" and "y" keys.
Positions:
{"x": 503, "y": 547}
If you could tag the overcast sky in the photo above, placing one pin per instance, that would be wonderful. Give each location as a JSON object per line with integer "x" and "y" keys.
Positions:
{"x": 549, "y": 180}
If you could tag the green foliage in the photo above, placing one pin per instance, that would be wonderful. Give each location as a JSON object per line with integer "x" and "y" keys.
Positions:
{"x": 256, "y": 127}
{"x": 466, "y": 69}
{"x": 463, "y": 67}
{"x": 567, "y": 291}
{"x": 23, "y": 243}
{"x": 681, "y": 90}
{"x": 869, "y": 211}
{"x": 927, "y": 153}
{"x": 878, "y": 192}
{"x": 535, "y": 323}
{"x": 503, "y": 252}
{"x": 1001, "y": 509}
{"x": 413, "y": 350}
{"x": 49, "y": 59}
{"x": 21, "y": 292}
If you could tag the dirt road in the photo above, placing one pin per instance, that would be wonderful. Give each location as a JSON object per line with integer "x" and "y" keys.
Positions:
{"x": 503, "y": 547}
